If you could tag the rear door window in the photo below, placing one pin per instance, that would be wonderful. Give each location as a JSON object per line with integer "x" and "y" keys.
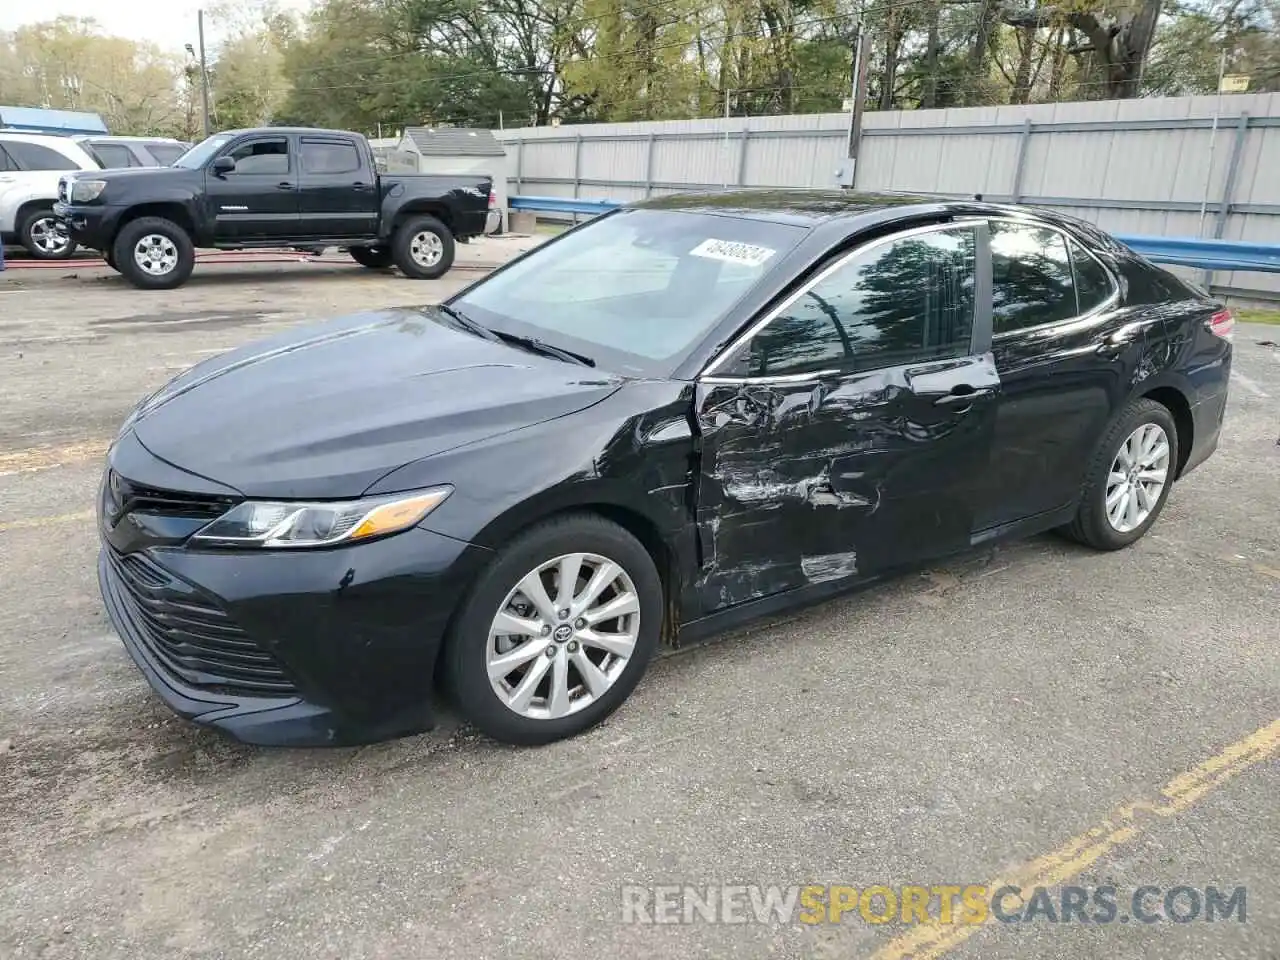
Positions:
{"x": 1031, "y": 276}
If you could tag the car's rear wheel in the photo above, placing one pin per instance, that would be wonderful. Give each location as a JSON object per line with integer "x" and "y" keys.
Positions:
{"x": 423, "y": 248}
{"x": 154, "y": 253}
{"x": 557, "y": 632}
{"x": 1129, "y": 478}
{"x": 44, "y": 237}
{"x": 375, "y": 258}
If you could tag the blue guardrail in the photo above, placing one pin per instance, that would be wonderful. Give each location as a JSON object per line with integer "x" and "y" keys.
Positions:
{"x": 1178, "y": 251}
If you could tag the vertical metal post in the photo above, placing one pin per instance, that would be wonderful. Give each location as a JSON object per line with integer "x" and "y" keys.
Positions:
{"x": 1024, "y": 141}
{"x": 1229, "y": 185}
{"x": 519, "y": 166}
{"x": 858, "y": 88}
{"x": 204, "y": 72}
{"x": 648, "y": 167}
{"x": 725, "y": 185}
{"x": 742, "y": 152}
{"x": 577, "y": 167}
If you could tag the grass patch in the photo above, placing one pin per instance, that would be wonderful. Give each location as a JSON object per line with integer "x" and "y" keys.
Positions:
{"x": 1257, "y": 315}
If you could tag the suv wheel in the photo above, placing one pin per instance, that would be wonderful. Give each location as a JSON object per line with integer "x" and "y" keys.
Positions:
{"x": 44, "y": 237}
{"x": 375, "y": 258}
{"x": 154, "y": 253}
{"x": 423, "y": 248}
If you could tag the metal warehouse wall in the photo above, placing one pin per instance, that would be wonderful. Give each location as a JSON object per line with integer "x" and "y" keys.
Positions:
{"x": 1152, "y": 166}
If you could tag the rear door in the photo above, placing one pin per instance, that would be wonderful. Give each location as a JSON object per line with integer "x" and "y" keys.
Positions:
{"x": 849, "y": 432}
{"x": 259, "y": 198}
{"x": 337, "y": 194}
{"x": 1055, "y": 307}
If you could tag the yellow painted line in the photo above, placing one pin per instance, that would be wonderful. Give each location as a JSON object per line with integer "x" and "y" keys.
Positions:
{"x": 35, "y": 523}
{"x": 929, "y": 941}
{"x": 42, "y": 458}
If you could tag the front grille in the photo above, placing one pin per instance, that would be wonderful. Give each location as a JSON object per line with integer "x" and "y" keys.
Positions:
{"x": 190, "y": 635}
{"x": 127, "y": 497}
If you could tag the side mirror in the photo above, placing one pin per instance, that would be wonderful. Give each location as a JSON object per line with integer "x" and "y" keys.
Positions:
{"x": 223, "y": 165}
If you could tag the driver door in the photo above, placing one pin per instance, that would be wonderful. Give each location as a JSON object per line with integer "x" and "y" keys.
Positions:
{"x": 850, "y": 432}
{"x": 258, "y": 200}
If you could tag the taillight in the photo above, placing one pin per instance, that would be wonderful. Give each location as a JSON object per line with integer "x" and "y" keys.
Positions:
{"x": 493, "y": 200}
{"x": 1222, "y": 324}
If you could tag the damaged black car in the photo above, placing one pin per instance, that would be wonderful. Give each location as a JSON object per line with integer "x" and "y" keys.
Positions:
{"x": 674, "y": 418}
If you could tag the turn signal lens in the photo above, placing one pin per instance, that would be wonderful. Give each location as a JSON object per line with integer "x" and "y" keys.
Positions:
{"x": 400, "y": 515}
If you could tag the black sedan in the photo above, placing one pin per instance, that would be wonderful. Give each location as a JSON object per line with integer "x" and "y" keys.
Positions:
{"x": 674, "y": 418}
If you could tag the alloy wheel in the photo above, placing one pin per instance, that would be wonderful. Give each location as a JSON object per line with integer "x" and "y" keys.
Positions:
{"x": 426, "y": 248}
{"x": 156, "y": 254}
{"x": 49, "y": 236}
{"x": 563, "y": 636}
{"x": 1137, "y": 477}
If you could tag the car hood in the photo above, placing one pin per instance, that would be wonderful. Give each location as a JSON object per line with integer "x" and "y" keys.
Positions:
{"x": 326, "y": 411}
{"x": 127, "y": 174}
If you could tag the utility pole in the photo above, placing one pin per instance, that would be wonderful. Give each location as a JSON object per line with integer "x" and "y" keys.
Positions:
{"x": 204, "y": 73}
{"x": 855, "y": 104}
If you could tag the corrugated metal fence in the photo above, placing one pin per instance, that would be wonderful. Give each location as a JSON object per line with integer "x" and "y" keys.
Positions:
{"x": 1175, "y": 167}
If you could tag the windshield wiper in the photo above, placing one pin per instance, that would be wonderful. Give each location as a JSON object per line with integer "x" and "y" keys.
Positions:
{"x": 539, "y": 346}
{"x": 461, "y": 318}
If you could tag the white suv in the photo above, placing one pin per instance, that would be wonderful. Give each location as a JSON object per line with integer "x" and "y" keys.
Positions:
{"x": 30, "y": 166}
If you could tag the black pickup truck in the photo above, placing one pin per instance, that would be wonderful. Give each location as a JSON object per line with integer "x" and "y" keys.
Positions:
{"x": 272, "y": 187}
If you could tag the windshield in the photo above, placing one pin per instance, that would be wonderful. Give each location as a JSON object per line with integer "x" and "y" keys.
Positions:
{"x": 199, "y": 155}
{"x": 642, "y": 284}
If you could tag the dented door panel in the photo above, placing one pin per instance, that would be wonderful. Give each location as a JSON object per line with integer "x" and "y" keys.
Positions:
{"x": 840, "y": 477}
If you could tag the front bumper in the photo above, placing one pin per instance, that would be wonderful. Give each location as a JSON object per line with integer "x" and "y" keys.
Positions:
{"x": 89, "y": 225}
{"x": 328, "y": 647}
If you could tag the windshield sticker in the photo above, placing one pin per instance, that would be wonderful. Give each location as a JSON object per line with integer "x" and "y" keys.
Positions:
{"x": 732, "y": 252}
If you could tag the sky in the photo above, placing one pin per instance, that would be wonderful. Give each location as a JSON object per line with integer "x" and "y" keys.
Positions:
{"x": 169, "y": 23}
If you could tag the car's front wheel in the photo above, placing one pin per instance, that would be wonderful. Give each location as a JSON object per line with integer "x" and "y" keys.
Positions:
{"x": 154, "y": 253}
{"x": 423, "y": 248}
{"x": 375, "y": 258}
{"x": 557, "y": 632}
{"x": 44, "y": 237}
{"x": 1129, "y": 479}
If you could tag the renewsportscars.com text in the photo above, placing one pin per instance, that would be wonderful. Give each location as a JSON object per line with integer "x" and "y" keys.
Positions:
{"x": 938, "y": 903}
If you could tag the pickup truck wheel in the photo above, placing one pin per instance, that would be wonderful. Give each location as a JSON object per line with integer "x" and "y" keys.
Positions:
{"x": 44, "y": 237}
{"x": 423, "y": 248}
{"x": 154, "y": 253}
{"x": 375, "y": 258}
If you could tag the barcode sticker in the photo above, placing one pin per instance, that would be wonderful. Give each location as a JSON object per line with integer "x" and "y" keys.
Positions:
{"x": 732, "y": 252}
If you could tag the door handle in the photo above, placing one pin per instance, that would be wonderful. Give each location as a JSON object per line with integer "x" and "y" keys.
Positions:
{"x": 362, "y": 186}
{"x": 284, "y": 185}
{"x": 962, "y": 396}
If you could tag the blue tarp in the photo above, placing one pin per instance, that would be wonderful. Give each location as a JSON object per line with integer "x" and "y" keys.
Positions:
{"x": 36, "y": 120}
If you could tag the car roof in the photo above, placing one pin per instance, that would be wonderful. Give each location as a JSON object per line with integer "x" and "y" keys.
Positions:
{"x": 831, "y": 213}
{"x": 294, "y": 130}
{"x": 800, "y": 206}
{"x": 41, "y": 138}
{"x": 111, "y": 138}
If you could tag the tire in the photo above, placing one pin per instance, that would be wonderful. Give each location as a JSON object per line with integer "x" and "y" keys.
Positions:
{"x": 407, "y": 248}
{"x": 375, "y": 258}
{"x": 470, "y": 642}
{"x": 1093, "y": 525}
{"x": 179, "y": 251}
{"x": 36, "y": 234}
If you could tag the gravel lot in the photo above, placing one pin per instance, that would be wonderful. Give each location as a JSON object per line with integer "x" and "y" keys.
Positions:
{"x": 950, "y": 727}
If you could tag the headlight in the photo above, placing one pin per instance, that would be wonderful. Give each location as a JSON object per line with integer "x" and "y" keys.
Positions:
{"x": 86, "y": 191}
{"x": 260, "y": 523}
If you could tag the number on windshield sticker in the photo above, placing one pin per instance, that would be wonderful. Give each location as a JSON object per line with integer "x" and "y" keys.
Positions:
{"x": 732, "y": 252}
